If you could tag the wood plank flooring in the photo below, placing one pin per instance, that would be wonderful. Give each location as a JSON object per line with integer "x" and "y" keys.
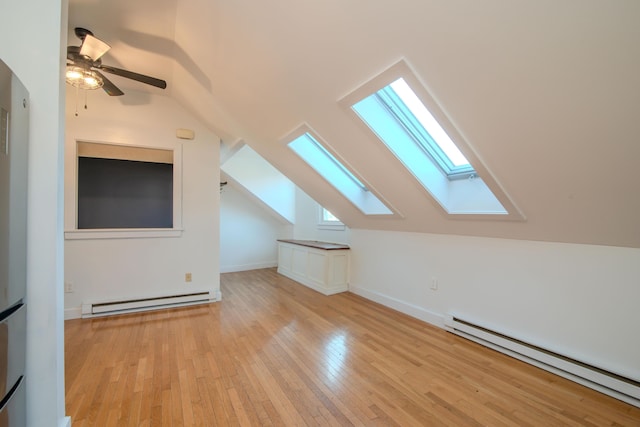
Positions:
{"x": 275, "y": 353}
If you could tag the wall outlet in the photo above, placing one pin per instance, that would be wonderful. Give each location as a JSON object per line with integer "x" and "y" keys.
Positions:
{"x": 187, "y": 277}
{"x": 68, "y": 287}
{"x": 434, "y": 284}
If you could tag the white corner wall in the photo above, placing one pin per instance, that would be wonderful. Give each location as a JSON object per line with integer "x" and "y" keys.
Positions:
{"x": 248, "y": 233}
{"x": 307, "y": 216}
{"x": 38, "y": 38}
{"x": 135, "y": 267}
{"x": 577, "y": 300}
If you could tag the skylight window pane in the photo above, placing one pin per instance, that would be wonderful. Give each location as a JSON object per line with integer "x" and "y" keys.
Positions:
{"x": 399, "y": 106}
{"x": 316, "y": 155}
{"x": 407, "y": 120}
{"x": 331, "y": 169}
{"x": 338, "y": 164}
{"x": 403, "y": 123}
{"x": 411, "y": 100}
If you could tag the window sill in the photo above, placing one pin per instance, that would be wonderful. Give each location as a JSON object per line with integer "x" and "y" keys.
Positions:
{"x": 112, "y": 233}
{"x": 334, "y": 227}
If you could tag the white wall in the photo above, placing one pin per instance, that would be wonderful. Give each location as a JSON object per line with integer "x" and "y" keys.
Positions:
{"x": 306, "y": 226}
{"x": 577, "y": 300}
{"x": 122, "y": 268}
{"x": 259, "y": 206}
{"x": 248, "y": 233}
{"x": 249, "y": 230}
{"x": 256, "y": 208}
{"x": 37, "y": 38}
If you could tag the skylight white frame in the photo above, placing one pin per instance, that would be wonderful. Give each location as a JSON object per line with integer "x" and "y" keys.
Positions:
{"x": 368, "y": 201}
{"x": 456, "y": 198}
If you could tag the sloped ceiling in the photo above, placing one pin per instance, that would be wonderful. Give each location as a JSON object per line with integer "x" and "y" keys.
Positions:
{"x": 547, "y": 93}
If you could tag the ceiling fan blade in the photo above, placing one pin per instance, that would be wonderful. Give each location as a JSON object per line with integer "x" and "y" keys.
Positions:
{"x": 108, "y": 86}
{"x": 93, "y": 47}
{"x": 134, "y": 76}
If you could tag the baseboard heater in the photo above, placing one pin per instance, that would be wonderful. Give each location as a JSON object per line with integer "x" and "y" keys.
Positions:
{"x": 612, "y": 384}
{"x": 107, "y": 308}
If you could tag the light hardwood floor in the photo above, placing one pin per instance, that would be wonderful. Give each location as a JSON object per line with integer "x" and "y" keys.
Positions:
{"x": 274, "y": 352}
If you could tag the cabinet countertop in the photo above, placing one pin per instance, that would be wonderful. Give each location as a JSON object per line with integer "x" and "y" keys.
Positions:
{"x": 316, "y": 244}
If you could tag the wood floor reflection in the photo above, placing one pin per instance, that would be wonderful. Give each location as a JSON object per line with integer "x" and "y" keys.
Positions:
{"x": 274, "y": 352}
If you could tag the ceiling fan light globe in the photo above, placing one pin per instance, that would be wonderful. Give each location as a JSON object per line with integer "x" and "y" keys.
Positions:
{"x": 90, "y": 81}
{"x": 83, "y": 79}
{"x": 73, "y": 74}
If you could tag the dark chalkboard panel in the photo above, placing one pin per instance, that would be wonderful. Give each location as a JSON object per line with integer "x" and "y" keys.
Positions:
{"x": 124, "y": 194}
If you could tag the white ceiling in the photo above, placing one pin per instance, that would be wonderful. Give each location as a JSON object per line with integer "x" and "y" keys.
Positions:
{"x": 547, "y": 93}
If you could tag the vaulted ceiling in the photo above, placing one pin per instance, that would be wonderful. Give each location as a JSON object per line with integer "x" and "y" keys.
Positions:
{"x": 547, "y": 94}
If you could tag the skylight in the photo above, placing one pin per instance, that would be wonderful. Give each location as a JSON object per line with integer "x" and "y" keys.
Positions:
{"x": 337, "y": 174}
{"x": 430, "y": 124}
{"x": 402, "y": 105}
{"x": 401, "y": 113}
{"x": 317, "y": 156}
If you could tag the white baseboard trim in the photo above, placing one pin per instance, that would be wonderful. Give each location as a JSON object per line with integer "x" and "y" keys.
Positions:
{"x": 65, "y": 422}
{"x": 401, "y": 306}
{"x": 72, "y": 313}
{"x": 247, "y": 267}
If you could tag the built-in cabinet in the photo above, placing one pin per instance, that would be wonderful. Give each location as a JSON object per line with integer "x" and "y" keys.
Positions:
{"x": 319, "y": 265}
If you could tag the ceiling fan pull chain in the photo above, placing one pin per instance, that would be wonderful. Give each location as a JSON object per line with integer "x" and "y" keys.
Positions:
{"x": 85, "y": 100}
{"x": 77, "y": 89}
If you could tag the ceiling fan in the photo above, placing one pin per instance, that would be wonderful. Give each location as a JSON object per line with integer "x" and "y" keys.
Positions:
{"x": 84, "y": 66}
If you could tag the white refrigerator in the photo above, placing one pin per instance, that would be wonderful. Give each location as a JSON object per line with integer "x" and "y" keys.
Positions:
{"x": 14, "y": 118}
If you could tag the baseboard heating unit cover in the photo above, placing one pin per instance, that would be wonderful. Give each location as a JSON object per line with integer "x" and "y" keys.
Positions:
{"x": 610, "y": 383}
{"x": 106, "y": 308}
